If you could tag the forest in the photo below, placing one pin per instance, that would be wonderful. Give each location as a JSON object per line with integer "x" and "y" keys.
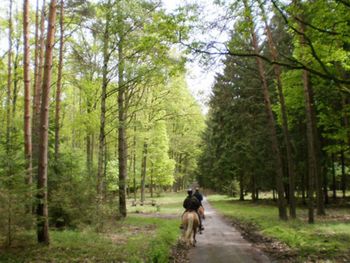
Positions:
{"x": 285, "y": 112}
{"x": 98, "y": 119}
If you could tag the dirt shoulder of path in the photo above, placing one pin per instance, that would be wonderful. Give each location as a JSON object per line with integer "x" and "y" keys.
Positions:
{"x": 179, "y": 253}
{"x": 275, "y": 249}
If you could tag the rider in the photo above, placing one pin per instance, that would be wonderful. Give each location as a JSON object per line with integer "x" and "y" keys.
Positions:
{"x": 198, "y": 195}
{"x": 191, "y": 203}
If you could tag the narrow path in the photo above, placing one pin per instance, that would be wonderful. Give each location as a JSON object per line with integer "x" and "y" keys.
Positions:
{"x": 221, "y": 242}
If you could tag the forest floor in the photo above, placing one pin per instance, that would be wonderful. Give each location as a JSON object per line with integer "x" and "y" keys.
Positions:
{"x": 293, "y": 241}
{"x": 148, "y": 234}
{"x": 134, "y": 239}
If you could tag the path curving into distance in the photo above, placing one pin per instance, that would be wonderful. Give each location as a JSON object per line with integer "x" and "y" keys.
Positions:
{"x": 222, "y": 243}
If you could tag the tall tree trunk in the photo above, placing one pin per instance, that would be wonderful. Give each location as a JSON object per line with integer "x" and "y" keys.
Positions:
{"x": 286, "y": 136}
{"x": 134, "y": 164}
{"x": 318, "y": 173}
{"x": 26, "y": 73}
{"x": 311, "y": 148}
{"x": 15, "y": 74}
{"x": 59, "y": 86}
{"x": 37, "y": 88}
{"x": 104, "y": 181}
{"x": 151, "y": 183}
{"x": 334, "y": 181}
{"x": 9, "y": 85}
{"x": 312, "y": 137}
{"x": 253, "y": 187}
{"x": 102, "y": 136}
{"x": 122, "y": 111}
{"x": 325, "y": 184}
{"x": 88, "y": 154}
{"x": 241, "y": 187}
{"x": 271, "y": 122}
{"x": 36, "y": 49}
{"x": 8, "y": 126}
{"x": 303, "y": 183}
{"x": 343, "y": 173}
{"x": 346, "y": 124}
{"x": 143, "y": 171}
{"x": 42, "y": 207}
{"x": 89, "y": 143}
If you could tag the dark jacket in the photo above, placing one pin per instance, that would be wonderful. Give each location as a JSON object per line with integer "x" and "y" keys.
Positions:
{"x": 191, "y": 203}
{"x": 199, "y": 196}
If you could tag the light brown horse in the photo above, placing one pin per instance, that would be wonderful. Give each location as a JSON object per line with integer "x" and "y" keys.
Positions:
{"x": 190, "y": 222}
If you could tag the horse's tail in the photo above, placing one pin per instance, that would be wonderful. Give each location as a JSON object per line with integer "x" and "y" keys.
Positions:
{"x": 189, "y": 229}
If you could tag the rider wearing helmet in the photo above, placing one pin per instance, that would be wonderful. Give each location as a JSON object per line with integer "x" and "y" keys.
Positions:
{"x": 198, "y": 195}
{"x": 191, "y": 203}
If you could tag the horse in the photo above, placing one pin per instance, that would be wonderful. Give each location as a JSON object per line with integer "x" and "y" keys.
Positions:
{"x": 190, "y": 221}
{"x": 201, "y": 212}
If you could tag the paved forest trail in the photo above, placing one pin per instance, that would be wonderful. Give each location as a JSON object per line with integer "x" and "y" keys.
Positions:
{"x": 221, "y": 242}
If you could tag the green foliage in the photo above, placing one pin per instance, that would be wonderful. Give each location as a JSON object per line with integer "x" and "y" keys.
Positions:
{"x": 71, "y": 199}
{"x": 234, "y": 143}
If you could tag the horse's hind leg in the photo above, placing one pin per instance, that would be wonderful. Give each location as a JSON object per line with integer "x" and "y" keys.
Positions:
{"x": 194, "y": 238}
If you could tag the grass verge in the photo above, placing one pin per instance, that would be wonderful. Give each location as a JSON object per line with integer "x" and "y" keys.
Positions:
{"x": 135, "y": 239}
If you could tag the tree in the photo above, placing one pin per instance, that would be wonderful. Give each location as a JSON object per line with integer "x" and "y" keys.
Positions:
{"x": 122, "y": 115}
{"x": 287, "y": 138}
{"x": 8, "y": 118}
{"x": 271, "y": 120}
{"x": 42, "y": 206}
{"x": 105, "y": 80}
{"x": 59, "y": 84}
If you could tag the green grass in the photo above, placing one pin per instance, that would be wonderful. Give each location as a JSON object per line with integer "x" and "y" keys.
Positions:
{"x": 327, "y": 238}
{"x": 167, "y": 203}
{"x": 135, "y": 239}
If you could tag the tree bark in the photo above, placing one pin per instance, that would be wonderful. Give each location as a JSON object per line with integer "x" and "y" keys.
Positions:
{"x": 343, "y": 173}
{"x": 36, "y": 49}
{"x": 334, "y": 181}
{"x": 88, "y": 154}
{"x": 8, "y": 126}
{"x": 241, "y": 188}
{"x": 134, "y": 164}
{"x": 283, "y": 108}
{"x": 15, "y": 74}
{"x": 151, "y": 183}
{"x": 311, "y": 148}
{"x": 27, "y": 123}
{"x": 122, "y": 141}
{"x": 253, "y": 187}
{"x": 102, "y": 136}
{"x": 143, "y": 171}
{"x": 9, "y": 85}
{"x": 42, "y": 207}
{"x": 38, "y": 89}
{"x": 59, "y": 86}
{"x": 271, "y": 123}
